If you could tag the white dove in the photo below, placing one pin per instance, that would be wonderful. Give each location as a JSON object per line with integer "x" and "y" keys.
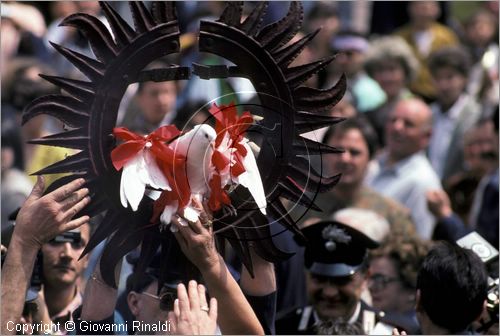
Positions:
{"x": 197, "y": 146}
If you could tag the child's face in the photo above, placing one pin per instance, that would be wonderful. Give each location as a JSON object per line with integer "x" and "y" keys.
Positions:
{"x": 449, "y": 85}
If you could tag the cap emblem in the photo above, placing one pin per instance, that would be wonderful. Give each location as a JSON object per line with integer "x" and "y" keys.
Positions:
{"x": 333, "y": 235}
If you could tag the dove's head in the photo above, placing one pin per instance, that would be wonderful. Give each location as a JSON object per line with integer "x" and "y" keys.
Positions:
{"x": 204, "y": 134}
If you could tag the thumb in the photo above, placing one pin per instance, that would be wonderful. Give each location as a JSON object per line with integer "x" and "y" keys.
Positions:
{"x": 38, "y": 189}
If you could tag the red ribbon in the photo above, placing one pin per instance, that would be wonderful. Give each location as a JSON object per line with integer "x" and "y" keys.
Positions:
{"x": 134, "y": 143}
{"x": 227, "y": 121}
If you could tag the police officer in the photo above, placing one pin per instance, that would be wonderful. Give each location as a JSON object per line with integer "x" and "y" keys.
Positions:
{"x": 335, "y": 259}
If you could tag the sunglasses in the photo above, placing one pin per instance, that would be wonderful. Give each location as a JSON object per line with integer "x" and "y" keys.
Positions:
{"x": 166, "y": 299}
{"x": 379, "y": 281}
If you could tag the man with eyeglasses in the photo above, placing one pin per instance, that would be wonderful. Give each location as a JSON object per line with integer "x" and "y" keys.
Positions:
{"x": 393, "y": 277}
{"x": 335, "y": 259}
{"x": 142, "y": 300}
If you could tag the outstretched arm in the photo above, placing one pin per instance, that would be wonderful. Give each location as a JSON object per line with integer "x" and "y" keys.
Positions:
{"x": 40, "y": 219}
{"x": 99, "y": 299}
{"x": 197, "y": 242}
{"x": 260, "y": 291}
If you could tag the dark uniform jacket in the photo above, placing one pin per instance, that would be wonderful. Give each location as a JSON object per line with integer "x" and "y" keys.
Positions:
{"x": 303, "y": 321}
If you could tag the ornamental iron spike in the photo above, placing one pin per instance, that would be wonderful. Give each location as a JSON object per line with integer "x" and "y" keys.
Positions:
{"x": 143, "y": 21}
{"x": 97, "y": 34}
{"x": 81, "y": 90}
{"x": 297, "y": 75}
{"x": 276, "y": 35}
{"x": 294, "y": 194}
{"x": 306, "y": 122}
{"x": 78, "y": 162}
{"x": 74, "y": 139}
{"x": 286, "y": 55}
{"x": 67, "y": 109}
{"x": 317, "y": 100}
{"x": 305, "y": 146}
{"x": 94, "y": 70}
{"x": 232, "y": 13}
{"x": 163, "y": 11}
{"x": 252, "y": 23}
{"x": 122, "y": 32}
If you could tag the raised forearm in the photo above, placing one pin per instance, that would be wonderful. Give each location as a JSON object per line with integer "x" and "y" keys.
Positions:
{"x": 263, "y": 283}
{"x": 235, "y": 313}
{"x": 16, "y": 275}
{"x": 99, "y": 300}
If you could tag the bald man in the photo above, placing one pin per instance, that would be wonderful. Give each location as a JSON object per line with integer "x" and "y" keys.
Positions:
{"x": 402, "y": 171}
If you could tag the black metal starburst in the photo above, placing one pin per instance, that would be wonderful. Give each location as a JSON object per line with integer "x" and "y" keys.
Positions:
{"x": 288, "y": 109}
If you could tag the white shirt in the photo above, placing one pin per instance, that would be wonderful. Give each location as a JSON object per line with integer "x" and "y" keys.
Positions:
{"x": 423, "y": 40}
{"x": 407, "y": 182}
{"x": 444, "y": 125}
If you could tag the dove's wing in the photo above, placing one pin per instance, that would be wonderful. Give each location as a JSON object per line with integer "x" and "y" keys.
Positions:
{"x": 131, "y": 185}
{"x": 250, "y": 179}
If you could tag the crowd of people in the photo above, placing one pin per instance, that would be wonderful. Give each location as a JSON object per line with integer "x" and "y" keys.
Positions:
{"x": 419, "y": 171}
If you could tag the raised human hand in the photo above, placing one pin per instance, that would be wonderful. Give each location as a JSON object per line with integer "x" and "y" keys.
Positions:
{"x": 191, "y": 314}
{"x": 439, "y": 203}
{"x": 196, "y": 238}
{"x": 41, "y": 218}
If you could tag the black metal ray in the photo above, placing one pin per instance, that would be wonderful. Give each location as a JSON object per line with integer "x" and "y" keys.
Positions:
{"x": 97, "y": 206}
{"x": 276, "y": 35}
{"x": 62, "y": 181}
{"x": 97, "y": 34}
{"x": 316, "y": 100}
{"x": 237, "y": 239}
{"x": 78, "y": 162}
{"x": 304, "y": 146}
{"x": 252, "y": 23}
{"x": 291, "y": 192}
{"x": 263, "y": 245}
{"x": 295, "y": 76}
{"x": 149, "y": 247}
{"x": 143, "y": 21}
{"x": 67, "y": 109}
{"x": 81, "y": 90}
{"x": 232, "y": 13}
{"x": 163, "y": 11}
{"x": 165, "y": 253}
{"x": 312, "y": 184}
{"x": 306, "y": 122}
{"x": 91, "y": 68}
{"x": 122, "y": 242}
{"x": 286, "y": 55}
{"x": 75, "y": 139}
{"x": 240, "y": 244}
{"x": 308, "y": 178}
{"x": 107, "y": 226}
{"x": 278, "y": 212}
{"x": 122, "y": 32}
